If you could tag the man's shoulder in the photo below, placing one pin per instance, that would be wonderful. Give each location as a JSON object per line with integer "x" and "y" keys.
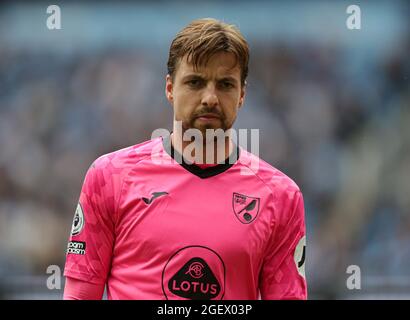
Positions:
{"x": 274, "y": 178}
{"x": 128, "y": 157}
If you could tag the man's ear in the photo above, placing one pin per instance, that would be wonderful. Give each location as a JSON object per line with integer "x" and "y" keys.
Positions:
{"x": 242, "y": 97}
{"x": 169, "y": 89}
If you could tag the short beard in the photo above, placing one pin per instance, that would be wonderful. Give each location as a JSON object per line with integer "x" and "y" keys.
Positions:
{"x": 190, "y": 124}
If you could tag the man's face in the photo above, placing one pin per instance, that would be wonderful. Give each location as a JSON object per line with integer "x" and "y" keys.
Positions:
{"x": 207, "y": 98}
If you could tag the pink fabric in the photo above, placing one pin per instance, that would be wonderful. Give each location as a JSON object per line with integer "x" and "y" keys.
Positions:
{"x": 228, "y": 236}
{"x": 80, "y": 290}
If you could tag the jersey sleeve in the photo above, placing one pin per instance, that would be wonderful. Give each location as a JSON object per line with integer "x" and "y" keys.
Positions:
{"x": 90, "y": 245}
{"x": 283, "y": 269}
{"x": 80, "y": 290}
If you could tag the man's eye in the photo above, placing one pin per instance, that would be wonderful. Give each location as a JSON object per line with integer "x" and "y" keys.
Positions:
{"x": 227, "y": 85}
{"x": 194, "y": 82}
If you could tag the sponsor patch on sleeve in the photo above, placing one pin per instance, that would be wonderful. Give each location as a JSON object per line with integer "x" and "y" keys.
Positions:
{"x": 78, "y": 221}
{"x": 300, "y": 256}
{"x": 76, "y": 247}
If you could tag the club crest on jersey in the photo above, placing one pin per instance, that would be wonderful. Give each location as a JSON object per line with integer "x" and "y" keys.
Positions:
{"x": 78, "y": 222}
{"x": 245, "y": 208}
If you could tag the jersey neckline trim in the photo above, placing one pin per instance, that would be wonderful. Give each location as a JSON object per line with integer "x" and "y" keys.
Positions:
{"x": 202, "y": 173}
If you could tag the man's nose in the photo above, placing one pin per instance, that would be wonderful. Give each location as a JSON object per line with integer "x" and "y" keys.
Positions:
{"x": 210, "y": 96}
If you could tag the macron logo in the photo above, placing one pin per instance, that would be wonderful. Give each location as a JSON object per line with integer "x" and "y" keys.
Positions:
{"x": 154, "y": 195}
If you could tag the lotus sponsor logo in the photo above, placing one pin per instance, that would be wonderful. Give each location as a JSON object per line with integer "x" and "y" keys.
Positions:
{"x": 195, "y": 273}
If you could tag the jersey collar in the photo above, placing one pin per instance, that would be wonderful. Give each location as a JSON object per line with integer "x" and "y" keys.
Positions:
{"x": 196, "y": 170}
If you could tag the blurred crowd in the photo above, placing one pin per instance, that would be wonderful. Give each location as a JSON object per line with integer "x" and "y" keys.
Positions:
{"x": 341, "y": 132}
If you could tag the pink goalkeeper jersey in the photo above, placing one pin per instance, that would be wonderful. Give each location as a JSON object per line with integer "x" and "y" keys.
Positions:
{"x": 151, "y": 228}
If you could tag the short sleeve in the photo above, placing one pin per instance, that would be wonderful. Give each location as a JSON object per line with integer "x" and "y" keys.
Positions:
{"x": 283, "y": 270}
{"x": 90, "y": 245}
{"x": 80, "y": 290}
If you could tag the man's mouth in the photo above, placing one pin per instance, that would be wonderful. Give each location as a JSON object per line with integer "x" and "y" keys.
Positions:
{"x": 208, "y": 116}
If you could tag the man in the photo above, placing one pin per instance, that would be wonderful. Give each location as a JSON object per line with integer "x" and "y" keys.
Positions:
{"x": 184, "y": 229}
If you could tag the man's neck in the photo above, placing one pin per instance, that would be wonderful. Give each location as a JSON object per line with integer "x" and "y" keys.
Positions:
{"x": 209, "y": 152}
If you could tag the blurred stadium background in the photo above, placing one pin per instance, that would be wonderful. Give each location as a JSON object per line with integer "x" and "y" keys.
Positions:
{"x": 332, "y": 106}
